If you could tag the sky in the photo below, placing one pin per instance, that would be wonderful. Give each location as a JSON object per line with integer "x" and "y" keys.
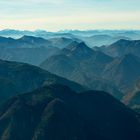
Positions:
{"x": 54, "y": 15}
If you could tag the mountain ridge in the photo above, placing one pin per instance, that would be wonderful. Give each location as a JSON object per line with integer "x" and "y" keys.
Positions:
{"x": 76, "y": 114}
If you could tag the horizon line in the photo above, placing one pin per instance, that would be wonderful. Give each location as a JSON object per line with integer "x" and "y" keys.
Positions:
{"x": 65, "y": 30}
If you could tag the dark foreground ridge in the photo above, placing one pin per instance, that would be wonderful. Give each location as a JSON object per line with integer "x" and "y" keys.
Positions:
{"x": 17, "y": 78}
{"x": 56, "y": 112}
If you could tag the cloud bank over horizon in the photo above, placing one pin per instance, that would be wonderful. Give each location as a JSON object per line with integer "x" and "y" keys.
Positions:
{"x": 69, "y": 14}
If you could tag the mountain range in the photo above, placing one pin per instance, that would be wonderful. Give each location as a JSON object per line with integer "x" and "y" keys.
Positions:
{"x": 62, "y": 85}
{"x": 81, "y": 64}
{"x": 27, "y": 49}
{"x": 122, "y": 47}
{"x": 95, "y": 69}
{"x": 99, "y": 40}
{"x": 90, "y": 37}
{"x": 56, "y": 112}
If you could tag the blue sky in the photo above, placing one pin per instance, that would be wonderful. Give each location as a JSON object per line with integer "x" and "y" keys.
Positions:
{"x": 55, "y": 15}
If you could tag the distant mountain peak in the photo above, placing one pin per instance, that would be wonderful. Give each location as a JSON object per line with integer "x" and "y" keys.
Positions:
{"x": 125, "y": 43}
{"x": 35, "y": 40}
{"x": 26, "y": 38}
{"x": 123, "y": 47}
{"x": 71, "y": 45}
{"x": 6, "y": 39}
{"x": 78, "y": 46}
{"x": 121, "y": 42}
